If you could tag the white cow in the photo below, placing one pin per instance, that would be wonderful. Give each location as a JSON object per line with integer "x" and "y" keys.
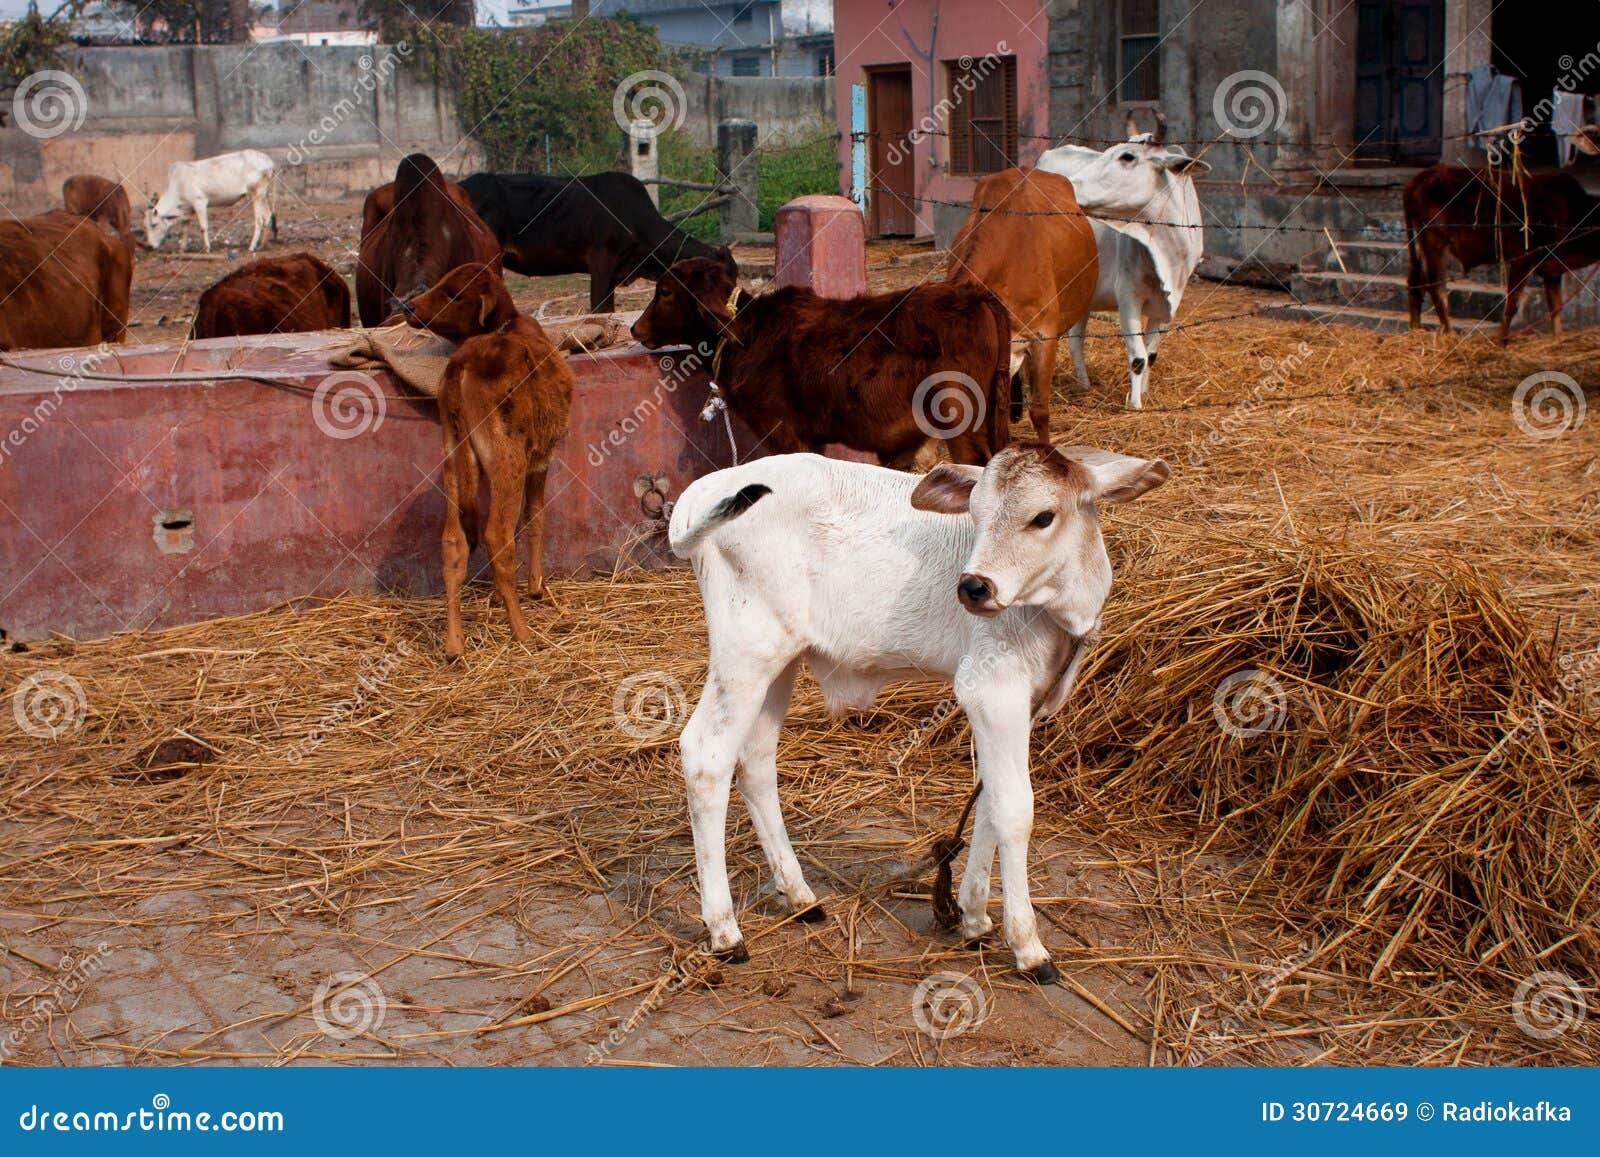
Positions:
{"x": 1148, "y": 229}
{"x": 992, "y": 578}
{"x": 219, "y": 180}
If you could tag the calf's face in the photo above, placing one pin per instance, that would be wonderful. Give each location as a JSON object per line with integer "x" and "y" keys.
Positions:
{"x": 1039, "y": 541}
{"x": 459, "y": 306}
{"x": 690, "y": 305}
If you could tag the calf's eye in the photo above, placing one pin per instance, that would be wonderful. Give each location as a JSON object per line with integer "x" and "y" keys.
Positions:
{"x": 1044, "y": 518}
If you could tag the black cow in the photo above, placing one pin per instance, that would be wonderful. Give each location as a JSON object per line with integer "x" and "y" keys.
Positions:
{"x": 603, "y": 225}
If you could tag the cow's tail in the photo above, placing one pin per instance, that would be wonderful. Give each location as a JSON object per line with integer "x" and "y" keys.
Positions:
{"x": 688, "y": 527}
{"x": 999, "y": 417}
{"x": 1413, "y": 263}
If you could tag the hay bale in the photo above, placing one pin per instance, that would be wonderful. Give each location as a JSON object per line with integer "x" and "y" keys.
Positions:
{"x": 1409, "y": 763}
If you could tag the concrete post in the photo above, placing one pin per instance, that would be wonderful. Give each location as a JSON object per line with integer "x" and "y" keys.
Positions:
{"x": 643, "y": 162}
{"x": 738, "y": 162}
{"x": 1466, "y": 45}
{"x": 822, "y": 246}
{"x": 1297, "y": 74}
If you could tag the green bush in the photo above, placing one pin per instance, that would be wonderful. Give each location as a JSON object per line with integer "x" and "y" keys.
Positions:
{"x": 809, "y": 166}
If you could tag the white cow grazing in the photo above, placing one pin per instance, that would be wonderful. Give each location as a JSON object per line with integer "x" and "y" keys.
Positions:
{"x": 219, "y": 180}
{"x": 989, "y": 577}
{"x": 1148, "y": 229}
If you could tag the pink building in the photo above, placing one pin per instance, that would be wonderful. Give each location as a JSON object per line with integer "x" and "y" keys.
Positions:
{"x": 945, "y": 90}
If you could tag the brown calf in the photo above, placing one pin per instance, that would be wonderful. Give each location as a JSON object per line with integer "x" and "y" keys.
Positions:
{"x": 504, "y": 404}
{"x": 64, "y": 282}
{"x": 1542, "y": 224}
{"x": 296, "y": 293}
{"x": 885, "y": 373}
{"x": 1042, "y": 266}
{"x": 413, "y": 232}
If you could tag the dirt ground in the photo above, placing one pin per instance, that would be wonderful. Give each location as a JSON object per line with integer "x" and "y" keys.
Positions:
{"x": 435, "y": 879}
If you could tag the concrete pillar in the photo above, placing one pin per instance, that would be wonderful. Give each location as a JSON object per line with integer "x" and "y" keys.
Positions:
{"x": 1297, "y": 74}
{"x": 821, "y": 245}
{"x": 1335, "y": 115}
{"x": 1466, "y": 45}
{"x": 642, "y": 160}
{"x": 738, "y": 161}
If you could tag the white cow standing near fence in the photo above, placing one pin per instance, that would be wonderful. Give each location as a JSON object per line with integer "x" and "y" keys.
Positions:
{"x": 992, "y": 578}
{"x": 1148, "y": 229}
{"x": 194, "y": 186}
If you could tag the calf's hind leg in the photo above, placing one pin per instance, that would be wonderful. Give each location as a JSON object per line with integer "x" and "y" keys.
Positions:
{"x": 718, "y": 732}
{"x": 758, "y": 783}
{"x": 506, "y": 460}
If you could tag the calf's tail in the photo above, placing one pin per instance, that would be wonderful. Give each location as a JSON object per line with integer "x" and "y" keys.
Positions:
{"x": 999, "y": 417}
{"x": 687, "y": 529}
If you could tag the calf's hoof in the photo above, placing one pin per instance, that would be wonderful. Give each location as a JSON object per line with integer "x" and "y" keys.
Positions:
{"x": 811, "y": 915}
{"x": 738, "y": 954}
{"x": 1044, "y": 973}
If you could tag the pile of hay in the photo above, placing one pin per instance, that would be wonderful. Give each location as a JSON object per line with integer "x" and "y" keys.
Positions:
{"x": 1414, "y": 771}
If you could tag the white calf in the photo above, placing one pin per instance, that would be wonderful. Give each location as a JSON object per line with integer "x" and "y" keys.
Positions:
{"x": 863, "y": 573}
{"x": 193, "y": 186}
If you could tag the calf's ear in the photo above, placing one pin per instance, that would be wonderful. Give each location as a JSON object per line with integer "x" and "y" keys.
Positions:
{"x": 1118, "y": 478}
{"x": 485, "y": 307}
{"x": 946, "y": 489}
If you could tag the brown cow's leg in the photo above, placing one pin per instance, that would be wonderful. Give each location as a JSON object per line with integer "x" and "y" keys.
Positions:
{"x": 507, "y": 475}
{"x": 535, "y": 531}
{"x": 1552, "y": 302}
{"x": 602, "y": 284}
{"x": 454, "y": 546}
{"x": 1519, "y": 278}
{"x": 1042, "y": 375}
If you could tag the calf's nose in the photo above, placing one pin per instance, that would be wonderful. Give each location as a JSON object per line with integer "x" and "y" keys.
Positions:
{"x": 974, "y": 591}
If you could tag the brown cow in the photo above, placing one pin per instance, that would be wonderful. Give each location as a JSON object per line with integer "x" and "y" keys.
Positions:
{"x": 1542, "y": 224}
{"x": 64, "y": 282}
{"x": 884, "y": 373}
{"x": 1043, "y": 267}
{"x": 504, "y": 404}
{"x": 413, "y": 232}
{"x": 99, "y": 200}
{"x": 296, "y": 293}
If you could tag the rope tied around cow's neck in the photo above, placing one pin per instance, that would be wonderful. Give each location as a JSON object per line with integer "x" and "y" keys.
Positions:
{"x": 945, "y": 850}
{"x": 717, "y": 403}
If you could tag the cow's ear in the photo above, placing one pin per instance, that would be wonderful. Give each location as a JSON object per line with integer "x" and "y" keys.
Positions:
{"x": 1182, "y": 164}
{"x": 1117, "y": 477}
{"x": 946, "y": 489}
{"x": 713, "y": 306}
{"x": 485, "y": 307}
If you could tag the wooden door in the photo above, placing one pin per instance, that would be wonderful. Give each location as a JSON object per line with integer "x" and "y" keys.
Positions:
{"x": 891, "y": 164}
{"x": 1400, "y": 79}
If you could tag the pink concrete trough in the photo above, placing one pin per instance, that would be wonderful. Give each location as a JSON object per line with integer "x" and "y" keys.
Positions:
{"x": 132, "y": 505}
{"x": 821, "y": 246}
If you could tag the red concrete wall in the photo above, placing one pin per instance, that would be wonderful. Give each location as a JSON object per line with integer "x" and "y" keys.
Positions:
{"x": 279, "y": 508}
{"x": 867, "y": 35}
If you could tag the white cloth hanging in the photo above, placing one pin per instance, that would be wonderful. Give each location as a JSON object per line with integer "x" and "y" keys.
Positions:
{"x": 1566, "y": 121}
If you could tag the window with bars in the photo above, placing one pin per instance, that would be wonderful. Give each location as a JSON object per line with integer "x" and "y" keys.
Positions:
{"x": 1138, "y": 51}
{"x": 983, "y": 114}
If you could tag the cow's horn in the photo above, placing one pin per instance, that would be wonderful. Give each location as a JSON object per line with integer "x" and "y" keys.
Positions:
{"x": 1131, "y": 126}
{"x": 1160, "y": 136}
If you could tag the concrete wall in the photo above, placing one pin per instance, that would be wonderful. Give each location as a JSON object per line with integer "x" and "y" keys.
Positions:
{"x": 787, "y": 109}
{"x": 336, "y": 119}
